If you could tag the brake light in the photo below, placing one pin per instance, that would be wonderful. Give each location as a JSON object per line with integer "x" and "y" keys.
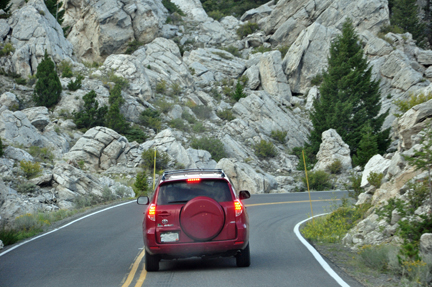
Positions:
{"x": 192, "y": 180}
{"x": 152, "y": 212}
{"x": 238, "y": 207}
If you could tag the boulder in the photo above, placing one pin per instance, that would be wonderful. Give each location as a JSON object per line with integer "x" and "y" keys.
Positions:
{"x": 35, "y": 30}
{"x": 38, "y": 117}
{"x": 192, "y": 8}
{"x": 307, "y": 56}
{"x": 132, "y": 69}
{"x": 426, "y": 247}
{"x": 253, "y": 75}
{"x": 164, "y": 62}
{"x": 333, "y": 148}
{"x": 106, "y": 27}
{"x": 9, "y": 101}
{"x": 424, "y": 57}
{"x": 17, "y": 154}
{"x": 311, "y": 97}
{"x": 221, "y": 63}
{"x": 376, "y": 164}
{"x": 364, "y": 198}
{"x": 273, "y": 79}
{"x": 256, "y": 14}
{"x": 244, "y": 177}
{"x": 16, "y": 128}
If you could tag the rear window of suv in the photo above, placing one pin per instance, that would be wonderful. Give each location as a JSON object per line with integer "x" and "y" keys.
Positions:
{"x": 182, "y": 191}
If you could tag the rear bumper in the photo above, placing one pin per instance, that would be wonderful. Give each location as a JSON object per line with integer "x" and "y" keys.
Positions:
{"x": 192, "y": 249}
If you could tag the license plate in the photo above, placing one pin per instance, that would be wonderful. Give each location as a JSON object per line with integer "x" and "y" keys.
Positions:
{"x": 169, "y": 237}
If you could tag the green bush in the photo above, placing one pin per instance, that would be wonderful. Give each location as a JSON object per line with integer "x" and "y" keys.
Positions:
{"x": 21, "y": 81}
{"x": 133, "y": 46}
{"x": 172, "y": 8}
{"x": 164, "y": 105}
{"x": 41, "y": 154}
{"x": 317, "y": 80}
{"x": 48, "y": 88}
{"x": 283, "y": 50}
{"x": 114, "y": 118}
{"x": 198, "y": 127}
{"x": 261, "y": 49}
{"x": 75, "y": 85}
{"x": 318, "y": 180}
{"x": 246, "y": 29}
{"x": 202, "y": 112}
{"x": 226, "y": 115}
{"x": 279, "y": 135}
{"x": 335, "y": 167}
{"x": 90, "y": 114}
{"x": 8, "y": 236}
{"x": 178, "y": 124}
{"x": 233, "y": 50}
{"x": 65, "y": 69}
{"x": 238, "y": 92}
{"x": 26, "y": 187}
{"x": 176, "y": 89}
{"x": 189, "y": 118}
{"x": 135, "y": 133}
{"x": 30, "y": 169}
{"x": 413, "y": 100}
{"x": 162, "y": 159}
{"x": 378, "y": 256}
{"x": 217, "y": 15}
{"x": 354, "y": 188}
{"x": 1, "y": 148}
{"x": 213, "y": 145}
{"x": 265, "y": 149}
{"x": 140, "y": 185}
{"x": 7, "y": 49}
{"x": 107, "y": 194}
{"x": 375, "y": 179}
{"x": 151, "y": 119}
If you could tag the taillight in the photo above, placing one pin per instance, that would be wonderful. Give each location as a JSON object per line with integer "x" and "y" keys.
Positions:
{"x": 152, "y": 212}
{"x": 238, "y": 207}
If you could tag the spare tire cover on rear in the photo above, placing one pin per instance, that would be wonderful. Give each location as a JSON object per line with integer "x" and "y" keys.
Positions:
{"x": 202, "y": 218}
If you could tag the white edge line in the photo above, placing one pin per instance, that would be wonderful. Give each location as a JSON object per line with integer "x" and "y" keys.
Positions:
{"x": 57, "y": 229}
{"x": 317, "y": 256}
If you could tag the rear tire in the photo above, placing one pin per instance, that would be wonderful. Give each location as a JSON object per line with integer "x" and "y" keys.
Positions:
{"x": 151, "y": 262}
{"x": 243, "y": 259}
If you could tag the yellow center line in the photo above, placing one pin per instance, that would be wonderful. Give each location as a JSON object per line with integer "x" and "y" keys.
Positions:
{"x": 142, "y": 277}
{"x": 285, "y": 202}
{"x": 134, "y": 269}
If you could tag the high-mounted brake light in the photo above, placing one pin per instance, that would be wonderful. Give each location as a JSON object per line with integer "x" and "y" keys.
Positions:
{"x": 152, "y": 212}
{"x": 191, "y": 180}
{"x": 238, "y": 207}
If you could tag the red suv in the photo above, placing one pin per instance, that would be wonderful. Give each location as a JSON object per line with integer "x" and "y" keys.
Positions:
{"x": 195, "y": 212}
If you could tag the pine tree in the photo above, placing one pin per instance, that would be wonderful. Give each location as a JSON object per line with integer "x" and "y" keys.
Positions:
{"x": 114, "y": 119}
{"x": 349, "y": 97}
{"x": 48, "y": 87}
{"x": 53, "y": 7}
{"x": 405, "y": 15}
{"x": 91, "y": 115}
{"x": 368, "y": 147}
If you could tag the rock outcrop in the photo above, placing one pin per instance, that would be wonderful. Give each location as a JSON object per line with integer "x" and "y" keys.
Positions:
{"x": 333, "y": 148}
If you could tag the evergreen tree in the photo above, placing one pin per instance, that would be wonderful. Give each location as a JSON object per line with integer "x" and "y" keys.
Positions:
{"x": 48, "y": 87}
{"x": 91, "y": 115}
{"x": 368, "y": 147}
{"x": 140, "y": 185}
{"x": 349, "y": 97}
{"x": 5, "y": 5}
{"x": 405, "y": 16}
{"x": 1, "y": 148}
{"x": 114, "y": 119}
{"x": 54, "y": 8}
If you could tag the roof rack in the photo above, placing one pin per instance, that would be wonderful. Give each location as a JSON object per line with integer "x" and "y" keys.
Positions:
{"x": 167, "y": 174}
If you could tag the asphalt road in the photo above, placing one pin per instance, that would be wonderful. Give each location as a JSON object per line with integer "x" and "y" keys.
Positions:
{"x": 105, "y": 249}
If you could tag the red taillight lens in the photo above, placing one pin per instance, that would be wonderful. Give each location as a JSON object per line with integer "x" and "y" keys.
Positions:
{"x": 192, "y": 180}
{"x": 238, "y": 207}
{"x": 152, "y": 212}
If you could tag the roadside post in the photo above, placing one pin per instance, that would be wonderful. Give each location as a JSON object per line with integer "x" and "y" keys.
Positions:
{"x": 307, "y": 183}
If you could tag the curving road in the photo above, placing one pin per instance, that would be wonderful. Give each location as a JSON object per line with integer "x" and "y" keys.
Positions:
{"x": 105, "y": 249}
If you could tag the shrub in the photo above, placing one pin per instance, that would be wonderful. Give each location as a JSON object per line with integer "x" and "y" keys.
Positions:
{"x": 246, "y": 29}
{"x": 198, "y": 127}
{"x": 283, "y": 50}
{"x": 213, "y": 145}
{"x": 114, "y": 118}
{"x": 41, "y": 154}
{"x": 217, "y": 15}
{"x": 413, "y": 100}
{"x": 265, "y": 149}
{"x": 162, "y": 159}
{"x": 378, "y": 257}
{"x": 335, "y": 167}
{"x": 354, "y": 188}
{"x": 133, "y": 46}
{"x": 107, "y": 194}
{"x": 8, "y": 236}
{"x": 317, "y": 80}
{"x": 140, "y": 185}
{"x": 202, "y": 112}
{"x": 375, "y": 179}
{"x": 226, "y": 115}
{"x": 279, "y": 135}
{"x": 26, "y": 187}
{"x": 110, "y": 76}
{"x": 172, "y": 8}
{"x": 48, "y": 87}
{"x": 389, "y": 29}
{"x": 65, "y": 68}
{"x": 75, "y": 85}
{"x": 318, "y": 180}
{"x": 30, "y": 169}
{"x": 1, "y": 148}
{"x": 7, "y": 49}
{"x": 261, "y": 49}
{"x": 176, "y": 89}
{"x": 164, "y": 105}
{"x": 178, "y": 124}
{"x": 151, "y": 119}
{"x": 135, "y": 133}
{"x": 20, "y": 81}
{"x": 238, "y": 93}
{"x": 90, "y": 114}
{"x": 189, "y": 118}
{"x": 233, "y": 50}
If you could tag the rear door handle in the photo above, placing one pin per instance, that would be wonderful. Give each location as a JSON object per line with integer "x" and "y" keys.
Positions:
{"x": 164, "y": 213}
